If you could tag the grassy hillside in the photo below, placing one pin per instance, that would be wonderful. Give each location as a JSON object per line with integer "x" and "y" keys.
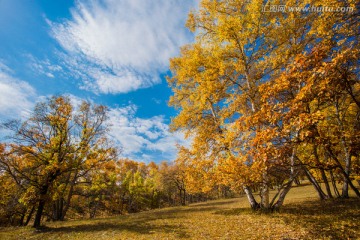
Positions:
{"x": 303, "y": 217}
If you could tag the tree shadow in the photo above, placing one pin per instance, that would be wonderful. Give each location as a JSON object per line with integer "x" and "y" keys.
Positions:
{"x": 215, "y": 203}
{"x": 334, "y": 218}
{"x": 140, "y": 223}
{"x": 235, "y": 211}
{"x": 143, "y": 227}
{"x": 189, "y": 210}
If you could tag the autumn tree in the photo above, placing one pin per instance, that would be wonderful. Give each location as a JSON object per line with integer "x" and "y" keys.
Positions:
{"x": 55, "y": 147}
{"x": 90, "y": 158}
{"x": 321, "y": 106}
{"x": 218, "y": 87}
{"x": 316, "y": 100}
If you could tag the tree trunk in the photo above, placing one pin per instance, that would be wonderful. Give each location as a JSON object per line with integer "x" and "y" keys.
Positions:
{"x": 343, "y": 171}
{"x": 316, "y": 185}
{"x": 326, "y": 182}
{"x": 322, "y": 171}
{"x": 345, "y": 188}
{"x": 57, "y": 209}
{"x": 265, "y": 198}
{"x": 334, "y": 184}
{"x": 68, "y": 200}
{"x": 21, "y": 223}
{"x": 282, "y": 195}
{"x": 184, "y": 198}
{"x": 29, "y": 216}
{"x": 347, "y": 181}
{"x": 254, "y": 205}
{"x": 284, "y": 192}
{"x": 39, "y": 212}
{"x": 41, "y": 205}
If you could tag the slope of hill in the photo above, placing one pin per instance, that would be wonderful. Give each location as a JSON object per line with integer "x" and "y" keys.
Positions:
{"x": 303, "y": 217}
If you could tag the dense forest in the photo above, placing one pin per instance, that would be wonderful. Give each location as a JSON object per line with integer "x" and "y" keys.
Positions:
{"x": 268, "y": 99}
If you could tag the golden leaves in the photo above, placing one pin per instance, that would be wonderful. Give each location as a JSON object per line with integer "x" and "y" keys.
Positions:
{"x": 255, "y": 85}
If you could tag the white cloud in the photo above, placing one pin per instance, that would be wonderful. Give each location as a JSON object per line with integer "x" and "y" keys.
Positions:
{"x": 127, "y": 81}
{"x": 16, "y": 96}
{"x": 143, "y": 139}
{"x": 157, "y": 101}
{"x": 44, "y": 67}
{"x": 128, "y": 42}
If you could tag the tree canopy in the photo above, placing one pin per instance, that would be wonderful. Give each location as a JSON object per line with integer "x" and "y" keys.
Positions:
{"x": 259, "y": 91}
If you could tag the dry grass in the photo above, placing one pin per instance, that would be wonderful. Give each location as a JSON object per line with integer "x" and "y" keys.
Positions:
{"x": 303, "y": 217}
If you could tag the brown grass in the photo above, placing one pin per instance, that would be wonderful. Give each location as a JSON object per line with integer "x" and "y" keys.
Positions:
{"x": 302, "y": 217}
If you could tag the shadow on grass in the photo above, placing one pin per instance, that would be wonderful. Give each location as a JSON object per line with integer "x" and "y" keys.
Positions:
{"x": 140, "y": 223}
{"x": 334, "y": 219}
{"x": 136, "y": 226}
{"x": 235, "y": 211}
{"x": 215, "y": 203}
{"x": 181, "y": 211}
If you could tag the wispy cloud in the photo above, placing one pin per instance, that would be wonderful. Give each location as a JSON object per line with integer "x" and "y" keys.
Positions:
{"x": 16, "y": 96}
{"x": 44, "y": 67}
{"x": 120, "y": 46}
{"x": 143, "y": 139}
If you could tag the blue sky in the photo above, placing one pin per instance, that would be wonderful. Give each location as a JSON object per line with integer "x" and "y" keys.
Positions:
{"x": 111, "y": 52}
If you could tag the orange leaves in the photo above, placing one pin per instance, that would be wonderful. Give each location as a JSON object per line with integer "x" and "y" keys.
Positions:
{"x": 55, "y": 147}
{"x": 254, "y": 86}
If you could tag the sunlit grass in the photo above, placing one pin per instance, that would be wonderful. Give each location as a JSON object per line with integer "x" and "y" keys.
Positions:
{"x": 302, "y": 217}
